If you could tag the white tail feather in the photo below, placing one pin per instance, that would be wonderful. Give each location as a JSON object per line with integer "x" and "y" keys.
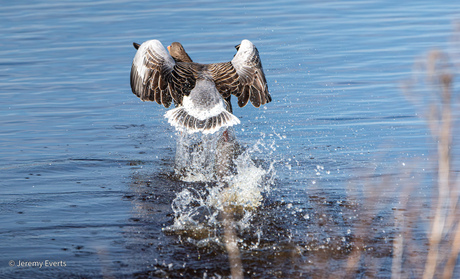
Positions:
{"x": 184, "y": 121}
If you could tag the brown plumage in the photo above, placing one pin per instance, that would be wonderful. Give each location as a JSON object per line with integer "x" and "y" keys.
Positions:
{"x": 178, "y": 53}
{"x": 157, "y": 75}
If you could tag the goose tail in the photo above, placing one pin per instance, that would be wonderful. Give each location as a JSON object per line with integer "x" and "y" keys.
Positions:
{"x": 184, "y": 120}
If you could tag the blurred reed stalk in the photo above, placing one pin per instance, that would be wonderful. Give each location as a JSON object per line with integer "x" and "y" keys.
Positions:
{"x": 231, "y": 244}
{"x": 441, "y": 253}
{"x": 444, "y": 231}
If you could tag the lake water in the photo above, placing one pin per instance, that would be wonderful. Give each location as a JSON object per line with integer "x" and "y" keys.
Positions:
{"x": 87, "y": 170}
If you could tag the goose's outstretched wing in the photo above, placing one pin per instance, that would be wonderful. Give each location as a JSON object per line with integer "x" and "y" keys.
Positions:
{"x": 155, "y": 76}
{"x": 243, "y": 76}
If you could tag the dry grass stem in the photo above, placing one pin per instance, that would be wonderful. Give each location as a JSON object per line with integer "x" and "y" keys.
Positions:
{"x": 231, "y": 245}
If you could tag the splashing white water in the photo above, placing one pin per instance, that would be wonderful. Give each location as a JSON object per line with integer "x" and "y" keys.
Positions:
{"x": 232, "y": 180}
{"x": 244, "y": 188}
{"x": 205, "y": 157}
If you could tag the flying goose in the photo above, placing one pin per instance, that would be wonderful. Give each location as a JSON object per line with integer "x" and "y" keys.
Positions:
{"x": 201, "y": 92}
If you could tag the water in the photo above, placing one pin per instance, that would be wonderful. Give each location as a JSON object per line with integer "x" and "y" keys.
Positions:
{"x": 87, "y": 170}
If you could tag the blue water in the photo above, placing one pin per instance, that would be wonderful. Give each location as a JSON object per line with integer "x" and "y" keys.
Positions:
{"x": 86, "y": 167}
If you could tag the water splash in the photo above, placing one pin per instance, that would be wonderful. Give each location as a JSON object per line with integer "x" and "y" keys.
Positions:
{"x": 205, "y": 157}
{"x": 233, "y": 179}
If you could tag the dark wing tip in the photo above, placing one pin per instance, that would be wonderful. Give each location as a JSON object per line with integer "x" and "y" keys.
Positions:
{"x": 244, "y": 96}
{"x": 136, "y": 45}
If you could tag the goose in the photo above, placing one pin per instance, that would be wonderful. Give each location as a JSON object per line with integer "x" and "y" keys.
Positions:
{"x": 200, "y": 92}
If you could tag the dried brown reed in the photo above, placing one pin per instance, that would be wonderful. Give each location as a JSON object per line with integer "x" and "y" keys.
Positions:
{"x": 443, "y": 245}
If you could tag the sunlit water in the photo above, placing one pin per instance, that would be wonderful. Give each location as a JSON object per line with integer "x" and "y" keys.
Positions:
{"x": 92, "y": 177}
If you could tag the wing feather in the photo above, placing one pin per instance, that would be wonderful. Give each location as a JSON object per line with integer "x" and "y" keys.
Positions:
{"x": 242, "y": 77}
{"x": 251, "y": 76}
{"x": 225, "y": 78}
{"x": 156, "y": 77}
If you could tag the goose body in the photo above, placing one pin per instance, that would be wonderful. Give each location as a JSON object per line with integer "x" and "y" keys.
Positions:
{"x": 201, "y": 92}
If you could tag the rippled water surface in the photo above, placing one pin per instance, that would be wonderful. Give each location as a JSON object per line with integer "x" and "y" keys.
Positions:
{"x": 87, "y": 170}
